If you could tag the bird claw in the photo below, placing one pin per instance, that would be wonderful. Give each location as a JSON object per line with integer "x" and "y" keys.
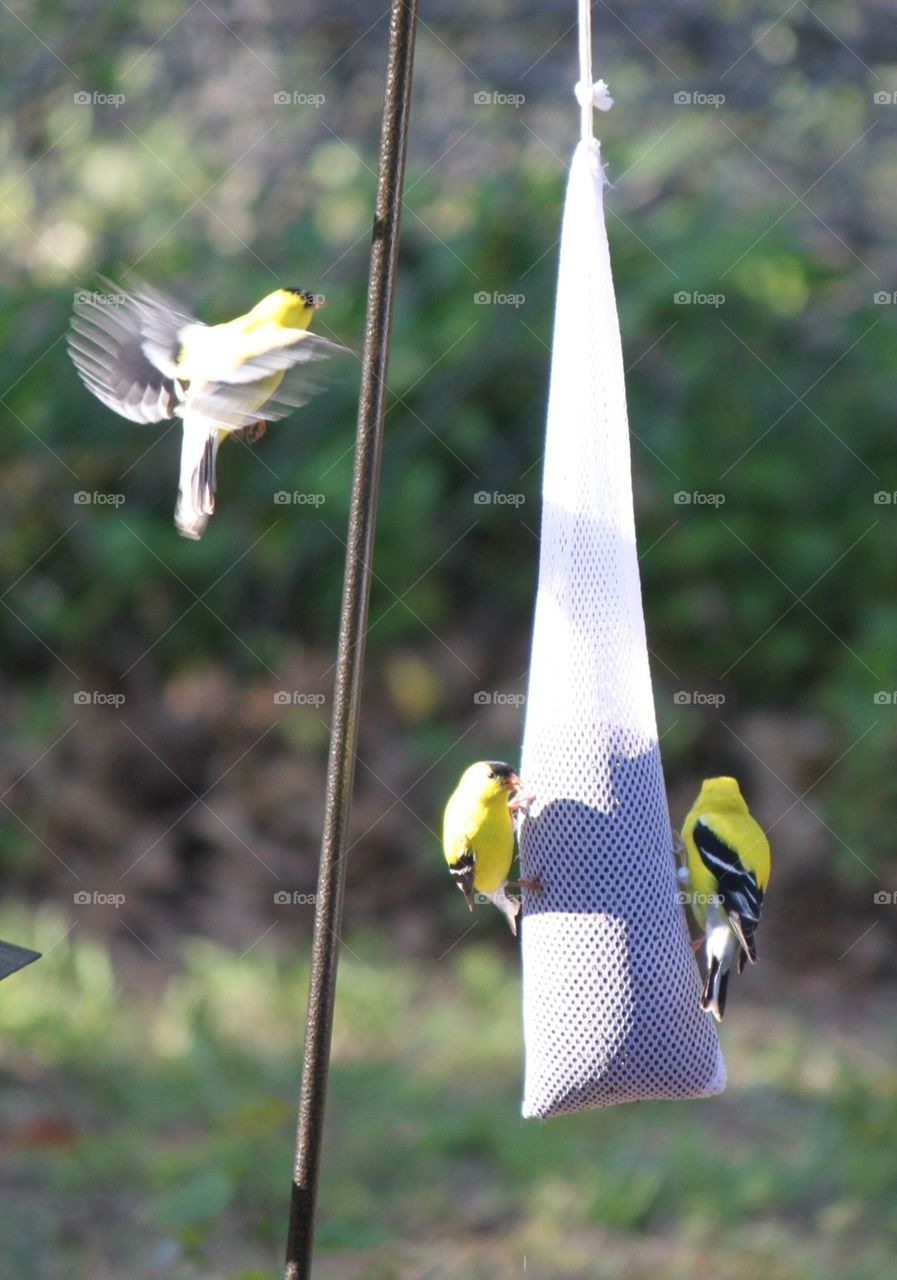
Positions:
{"x": 253, "y": 433}
{"x": 532, "y": 885}
{"x": 521, "y": 803}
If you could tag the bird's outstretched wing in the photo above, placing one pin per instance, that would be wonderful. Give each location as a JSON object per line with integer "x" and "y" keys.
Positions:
{"x": 269, "y": 385}
{"x": 125, "y": 348}
{"x": 742, "y": 896}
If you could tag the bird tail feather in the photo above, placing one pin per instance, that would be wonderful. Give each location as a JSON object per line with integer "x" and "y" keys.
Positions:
{"x": 196, "y": 487}
{"x": 508, "y": 906}
{"x": 715, "y": 989}
{"x": 744, "y": 932}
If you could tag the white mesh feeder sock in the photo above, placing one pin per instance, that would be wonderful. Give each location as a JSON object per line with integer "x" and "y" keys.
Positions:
{"x": 610, "y": 983}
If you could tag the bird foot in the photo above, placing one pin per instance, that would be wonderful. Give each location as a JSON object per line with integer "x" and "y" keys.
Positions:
{"x": 532, "y": 885}
{"x": 520, "y": 803}
{"x": 253, "y": 433}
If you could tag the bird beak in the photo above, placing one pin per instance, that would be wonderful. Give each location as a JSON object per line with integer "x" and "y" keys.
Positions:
{"x": 319, "y": 305}
{"x": 513, "y": 783}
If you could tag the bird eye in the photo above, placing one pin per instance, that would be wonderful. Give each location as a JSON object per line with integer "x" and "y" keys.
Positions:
{"x": 491, "y": 773}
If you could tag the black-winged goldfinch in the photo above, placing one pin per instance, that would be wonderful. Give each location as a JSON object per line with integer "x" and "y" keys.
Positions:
{"x": 478, "y": 834}
{"x": 147, "y": 359}
{"x": 728, "y": 871}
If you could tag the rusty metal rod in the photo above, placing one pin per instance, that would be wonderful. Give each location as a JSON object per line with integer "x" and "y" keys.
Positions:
{"x": 350, "y": 651}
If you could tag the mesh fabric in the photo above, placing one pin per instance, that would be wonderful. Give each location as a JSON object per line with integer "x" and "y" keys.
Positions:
{"x": 610, "y": 983}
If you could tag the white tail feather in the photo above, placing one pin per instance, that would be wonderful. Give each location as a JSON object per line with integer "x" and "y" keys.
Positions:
{"x": 508, "y": 906}
{"x": 196, "y": 487}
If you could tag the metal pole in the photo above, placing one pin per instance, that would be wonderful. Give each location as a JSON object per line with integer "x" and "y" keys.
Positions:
{"x": 350, "y": 652}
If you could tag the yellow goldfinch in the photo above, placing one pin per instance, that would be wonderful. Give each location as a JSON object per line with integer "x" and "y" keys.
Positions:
{"x": 478, "y": 834}
{"x": 728, "y": 871}
{"x": 147, "y": 359}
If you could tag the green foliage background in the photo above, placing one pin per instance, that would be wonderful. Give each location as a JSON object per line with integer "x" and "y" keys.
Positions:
{"x": 779, "y": 399}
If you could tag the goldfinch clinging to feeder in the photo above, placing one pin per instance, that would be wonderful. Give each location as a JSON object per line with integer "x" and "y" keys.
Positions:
{"x": 478, "y": 834}
{"x": 147, "y": 359}
{"x": 728, "y": 870}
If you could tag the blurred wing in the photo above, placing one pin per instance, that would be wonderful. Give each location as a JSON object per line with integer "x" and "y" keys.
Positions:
{"x": 125, "y": 349}
{"x": 269, "y": 385}
{"x": 162, "y": 322}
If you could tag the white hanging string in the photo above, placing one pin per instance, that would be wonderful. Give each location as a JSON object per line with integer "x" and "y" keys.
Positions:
{"x": 589, "y": 93}
{"x": 584, "y": 88}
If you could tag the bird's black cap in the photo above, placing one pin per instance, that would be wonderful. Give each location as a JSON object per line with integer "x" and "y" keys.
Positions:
{"x": 305, "y": 294}
{"x": 501, "y": 770}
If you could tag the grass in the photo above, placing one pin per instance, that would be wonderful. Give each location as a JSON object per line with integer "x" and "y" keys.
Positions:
{"x": 148, "y": 1126}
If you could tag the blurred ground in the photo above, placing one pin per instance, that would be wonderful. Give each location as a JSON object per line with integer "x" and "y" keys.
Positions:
{"x": 166, "y": 704}
{"x": 166, "y": 1152}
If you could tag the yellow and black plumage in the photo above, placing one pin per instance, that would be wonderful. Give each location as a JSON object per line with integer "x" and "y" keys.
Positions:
{"x": 478, "y": 834}
{"x": 145, "y": 357}
{"x": 728, "y": 863}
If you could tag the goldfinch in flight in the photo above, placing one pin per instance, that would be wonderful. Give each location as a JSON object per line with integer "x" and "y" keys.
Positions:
{"x": 145, "y": 357}
{"x": 728, "y": 865}
{"x": 478, "y": 834}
